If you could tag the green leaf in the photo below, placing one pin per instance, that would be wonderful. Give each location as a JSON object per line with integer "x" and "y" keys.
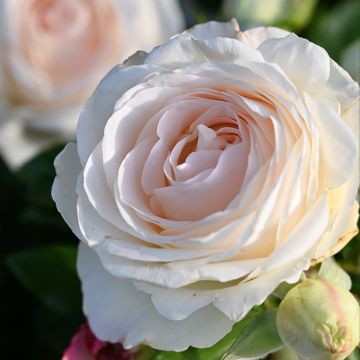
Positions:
{"x": 259, "y": 338}
{"x": 216, "y": 351}
{"x": 167, "y": 355}
{"x": 49, "y": 273}
{"x": 355, "y": 355}
{"x": 147, "y": 353}
{"x": 11, "y": 196}
{"x": 36, "y": 178}
{"x": 331, "y": 271}
{"x": 284, "y": 354}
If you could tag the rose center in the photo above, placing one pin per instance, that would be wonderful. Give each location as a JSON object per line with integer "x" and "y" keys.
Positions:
{"x": 62, "y": 18}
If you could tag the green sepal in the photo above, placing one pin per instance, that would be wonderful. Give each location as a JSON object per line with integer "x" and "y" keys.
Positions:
{"x": 331, "y": 271}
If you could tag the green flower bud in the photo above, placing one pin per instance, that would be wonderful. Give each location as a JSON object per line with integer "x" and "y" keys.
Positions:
{"x": 319, "y": 320}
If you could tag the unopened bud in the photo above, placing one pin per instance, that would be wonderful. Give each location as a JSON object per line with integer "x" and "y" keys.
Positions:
{"x": 319, "y": 320}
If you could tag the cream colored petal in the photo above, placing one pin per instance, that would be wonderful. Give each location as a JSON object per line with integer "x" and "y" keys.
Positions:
{"x": 98, "y": 192}
{"x": 238, "y": 300}
{"x": 342, "y": 86}
{"x": 256, "y": 36}
{"x": 118, "y": 312}
{"x": 305, "y": 63}
{"x": 100, "y": 106}
{"x": 301, "y": 241}
{"x": 68, "y": 167}
{"x": 124, "y": 127}
{"x": 185, "y": 50}
{"x": 195, "y": 201}
{"x": 339, "y": 145}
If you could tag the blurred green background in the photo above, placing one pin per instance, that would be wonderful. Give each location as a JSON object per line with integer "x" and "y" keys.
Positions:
{"x": 40, "y": 302}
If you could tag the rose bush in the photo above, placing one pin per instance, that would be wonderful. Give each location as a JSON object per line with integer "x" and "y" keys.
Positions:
{"x": 205, "y": 173}
{"x": 54, "y": 52}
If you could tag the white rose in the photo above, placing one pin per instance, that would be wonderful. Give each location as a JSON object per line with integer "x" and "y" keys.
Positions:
{"x": 206, "y": 173}
{"x": 54, "y": 52}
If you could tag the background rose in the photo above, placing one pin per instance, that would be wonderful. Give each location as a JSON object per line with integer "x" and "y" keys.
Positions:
{"x": 229, "y": 163}
{"x": 54, "y": 52}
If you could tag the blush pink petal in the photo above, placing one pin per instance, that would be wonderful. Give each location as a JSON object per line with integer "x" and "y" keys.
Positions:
{"x": 67, "y": 166}
{"x": 99, "y": 108}
{"x": 128, "y": 322}
{"x": 256, "y": 36}
{"x": 99, "y": 194}
{"x": 306, "y": 64}
{"x": 194, "y": 202}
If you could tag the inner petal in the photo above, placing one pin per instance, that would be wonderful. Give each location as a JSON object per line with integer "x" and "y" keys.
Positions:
{"x": 197, "y": 162}
{"x": 213, "y": 194}
{"x": 208, "y": 139}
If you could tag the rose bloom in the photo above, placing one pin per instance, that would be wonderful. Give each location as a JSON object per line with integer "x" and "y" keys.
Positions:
{"x": 205, "y": 173}
{"x": 54, "y": 52}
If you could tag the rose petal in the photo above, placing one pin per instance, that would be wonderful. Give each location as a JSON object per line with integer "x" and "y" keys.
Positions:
{"x": 196, "y": 201}
{"x": 100, "y": 106}
{"x": 256, "y": 36}
{"x": 68, "y": 168}
{"x": 99, "y": 194}
{"x": 339, "y": 146}
{"x": 342, "y": 86}
{"x": 185, "y": 50}
{"x": 305, "y": 63}
{"x": 118, "y": 312}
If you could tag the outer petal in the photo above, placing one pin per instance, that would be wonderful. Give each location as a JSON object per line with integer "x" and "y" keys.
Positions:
{"x": 342, "y": 200}
{"x": 100, "y": 106}
{"x": 305, "y": 63}
{"x": 238, "y": 300}
{"x": 98, "y": 192}
{"x": 339, "y": 146}
{"x": 68, "y": 168}
{"x": 235, "y": 301}
{"x": 256, "y": 36}
{"x": 342, "y": 86}
{"x": 185, "y": 50}
{"x": 117, "y": 311}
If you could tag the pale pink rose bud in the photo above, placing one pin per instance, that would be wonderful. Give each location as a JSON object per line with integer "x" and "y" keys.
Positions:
{"x": 319, "y": 320}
